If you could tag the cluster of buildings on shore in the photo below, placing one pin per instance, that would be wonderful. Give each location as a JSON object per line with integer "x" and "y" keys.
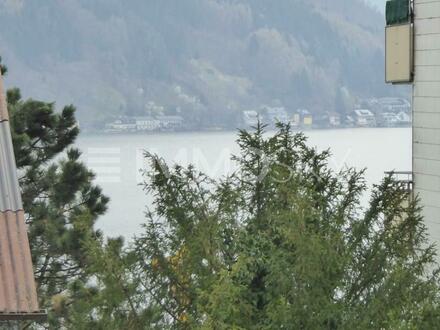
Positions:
{"x": 145, "y": 124}
{"x": 382, "y": 112}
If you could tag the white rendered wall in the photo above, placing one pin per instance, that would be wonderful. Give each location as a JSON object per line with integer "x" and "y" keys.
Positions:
{"x": 426, "y": 111}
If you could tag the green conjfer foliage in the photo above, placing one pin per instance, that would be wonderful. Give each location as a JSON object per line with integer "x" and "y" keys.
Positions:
{"x": 60, "y": 200}
{"x": 283, "y": 243}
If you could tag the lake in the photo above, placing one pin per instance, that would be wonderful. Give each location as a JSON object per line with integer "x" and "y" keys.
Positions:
{"x": 117, "y": 160}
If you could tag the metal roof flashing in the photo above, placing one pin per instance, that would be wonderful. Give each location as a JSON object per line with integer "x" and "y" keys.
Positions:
{"x": 10, "y": 198}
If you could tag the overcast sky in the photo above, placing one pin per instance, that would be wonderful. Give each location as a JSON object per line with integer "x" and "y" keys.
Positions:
{"x": 379, "y": 4}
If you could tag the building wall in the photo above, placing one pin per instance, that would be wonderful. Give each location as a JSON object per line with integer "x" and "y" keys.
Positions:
{"x": 426, "y": 108}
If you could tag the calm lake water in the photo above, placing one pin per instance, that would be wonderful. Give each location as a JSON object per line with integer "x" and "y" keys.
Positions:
{"x": 117, "y": 160}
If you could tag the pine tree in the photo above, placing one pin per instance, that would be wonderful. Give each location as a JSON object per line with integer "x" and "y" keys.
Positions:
{"x": 59, "y": 197}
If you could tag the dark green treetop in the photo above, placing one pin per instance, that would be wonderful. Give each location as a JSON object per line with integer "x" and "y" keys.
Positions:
{"x": 285, "y": 243}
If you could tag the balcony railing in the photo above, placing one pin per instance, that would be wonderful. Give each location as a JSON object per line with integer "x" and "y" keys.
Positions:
{"x": 403, "y": 177}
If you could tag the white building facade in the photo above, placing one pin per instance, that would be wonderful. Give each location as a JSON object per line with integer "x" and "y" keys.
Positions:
{"x": 426, "y": 111}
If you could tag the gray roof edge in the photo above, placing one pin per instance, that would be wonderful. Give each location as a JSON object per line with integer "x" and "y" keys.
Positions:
{"x": 10, "y": 196}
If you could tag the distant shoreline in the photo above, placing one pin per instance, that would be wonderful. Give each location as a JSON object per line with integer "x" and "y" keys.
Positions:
{"x": 226, "y": 130}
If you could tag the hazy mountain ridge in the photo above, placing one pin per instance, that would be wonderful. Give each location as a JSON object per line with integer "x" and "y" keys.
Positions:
{"x": 210, "y": 58}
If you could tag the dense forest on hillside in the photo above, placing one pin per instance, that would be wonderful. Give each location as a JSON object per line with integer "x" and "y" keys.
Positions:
{"x": 205, "y": 59}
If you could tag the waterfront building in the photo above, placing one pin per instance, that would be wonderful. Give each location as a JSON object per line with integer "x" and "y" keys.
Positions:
{"x": 170, "y": 122}
{"x": 306, "y": 118}
{"x": 122, "y": 124}
{"x": 146, "y": 123}
{"x": 274, "y": 115}
{"x": 387, "y": 119}
{"x": 364, "y": 118}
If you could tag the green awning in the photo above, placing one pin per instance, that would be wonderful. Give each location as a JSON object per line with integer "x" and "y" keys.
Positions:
{"x": 397, "y": 12}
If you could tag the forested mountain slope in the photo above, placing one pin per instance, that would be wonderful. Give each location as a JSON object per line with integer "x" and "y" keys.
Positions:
{"x": 209, "y": 58}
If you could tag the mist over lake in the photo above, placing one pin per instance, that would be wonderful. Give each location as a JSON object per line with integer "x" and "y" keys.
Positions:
{"x": 117, "y": 160}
